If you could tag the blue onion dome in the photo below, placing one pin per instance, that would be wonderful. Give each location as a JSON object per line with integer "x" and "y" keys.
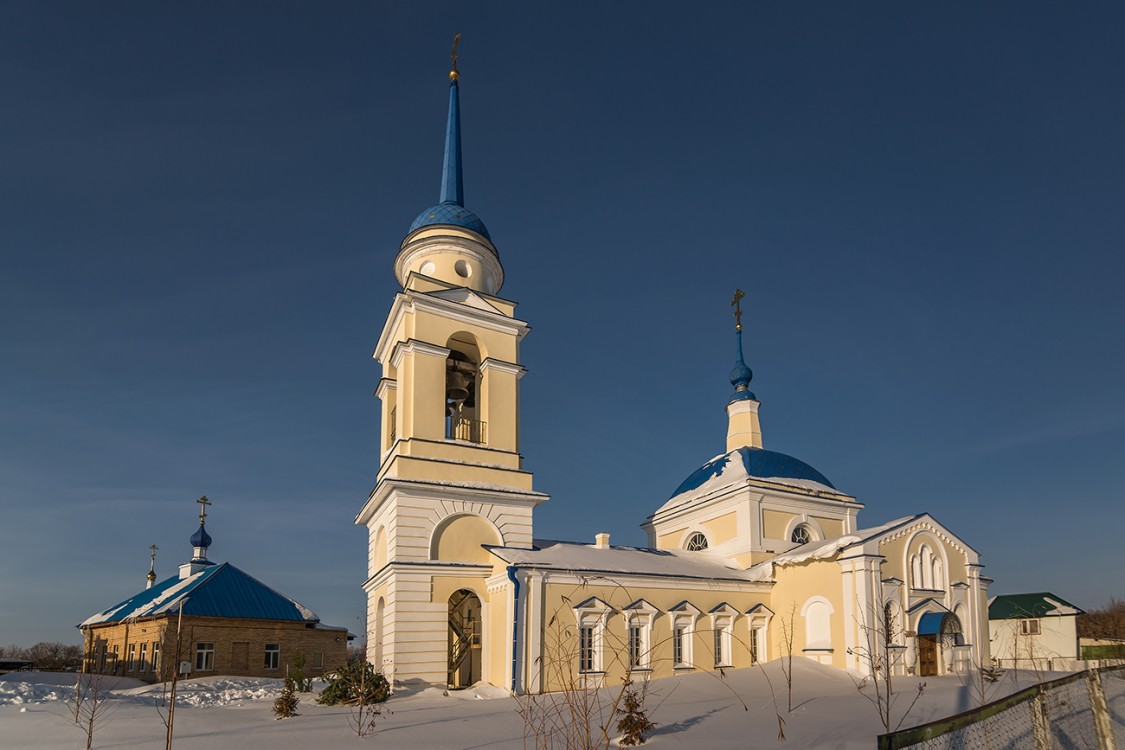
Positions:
{"x": 200, "y": 538}
{"x": 741, "y": 375}
{"x": 451, "y": 214}
{"x": 756, "y": 463}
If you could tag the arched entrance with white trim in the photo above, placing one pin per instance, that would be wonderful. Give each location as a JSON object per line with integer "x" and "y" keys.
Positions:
{"x": 939, "y": 635}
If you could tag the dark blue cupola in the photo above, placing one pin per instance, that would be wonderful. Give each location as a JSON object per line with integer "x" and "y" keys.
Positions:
{"x": 450, "y": 209}
{"x": 200, "y": 541}
{"x": 741, "y": 375}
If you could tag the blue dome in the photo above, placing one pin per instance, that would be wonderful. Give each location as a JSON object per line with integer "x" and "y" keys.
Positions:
{"x": 200, "y": 538}
{"x": 452, "y": 214}
{"x": 757, "y": 463}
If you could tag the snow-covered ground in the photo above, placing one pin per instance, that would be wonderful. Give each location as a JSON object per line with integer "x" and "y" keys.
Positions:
{"x": 696, "y": 711}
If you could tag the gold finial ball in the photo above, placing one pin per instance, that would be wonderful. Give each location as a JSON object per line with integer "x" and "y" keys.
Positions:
{"x": 454, "y": 75}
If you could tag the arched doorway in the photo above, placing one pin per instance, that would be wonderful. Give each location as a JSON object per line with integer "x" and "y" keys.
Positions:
{"x": 939, "y": 633}
{"x": 464, "y": 639}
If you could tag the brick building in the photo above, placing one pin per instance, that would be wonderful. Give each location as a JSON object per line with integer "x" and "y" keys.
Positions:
{"x": 229, "y": 623}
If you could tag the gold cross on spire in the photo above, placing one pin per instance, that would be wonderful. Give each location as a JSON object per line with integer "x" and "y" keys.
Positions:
{"x": 453, "y": 73}
{"x": 735, "y": 303}
{"x": 203, "y": 503}
{"x": 152, "y": 551}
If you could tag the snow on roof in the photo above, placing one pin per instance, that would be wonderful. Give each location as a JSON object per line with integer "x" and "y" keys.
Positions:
{"x": 218, "y": 591}
{"x": 1018, "y": 606}
{"x": 586, "y": 558}
{"x": 827, "y": 549}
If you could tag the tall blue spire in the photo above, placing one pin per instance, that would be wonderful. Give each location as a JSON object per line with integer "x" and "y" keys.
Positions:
{"x": 450, "y": 209}
{"x": 452, "y": 188}
{"x": 741, "y": 375}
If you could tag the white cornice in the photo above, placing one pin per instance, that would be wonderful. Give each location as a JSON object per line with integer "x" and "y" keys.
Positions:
{"x": 408, "y": 488}
{"x": 385, "y": 384}
{"x": 500, "y": 365}
{"x": 413, "y": 301}
{"x": 414, "y": 346}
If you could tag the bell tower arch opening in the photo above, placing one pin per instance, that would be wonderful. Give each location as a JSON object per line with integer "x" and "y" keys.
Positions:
{"x": 462, "y": 390}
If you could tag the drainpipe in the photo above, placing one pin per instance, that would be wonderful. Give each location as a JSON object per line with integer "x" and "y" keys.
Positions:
{"x": 515, "y": 621}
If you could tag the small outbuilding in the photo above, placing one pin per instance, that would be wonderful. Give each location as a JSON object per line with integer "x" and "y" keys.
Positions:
{"x": 210, "y": 619}
{"x": 1034, "y": 631}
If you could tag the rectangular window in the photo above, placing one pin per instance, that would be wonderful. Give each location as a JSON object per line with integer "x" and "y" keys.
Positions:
{"x": 719, "y": 655}
{"x": 156, "y": 657}
{"x": 142, "y": 663}
{"x": 204, "y": 657}
{"x": 754, "y": 645}
{"x": 678, "y": 636}
{"x": 273, "y": 655}
{"x": 635, "y": 646}
{"x": 113, "y": 660}
{"x": 586, "y": 649}
{"x": 1029, "y": 627}
{"x": 318, "y": 660}
{"x": 131, "y": 661}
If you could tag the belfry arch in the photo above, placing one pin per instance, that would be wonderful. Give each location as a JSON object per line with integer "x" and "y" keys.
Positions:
{"x": 463, "y": 413}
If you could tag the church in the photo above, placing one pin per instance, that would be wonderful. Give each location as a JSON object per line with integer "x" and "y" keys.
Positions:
{"x": 756, "y": 555}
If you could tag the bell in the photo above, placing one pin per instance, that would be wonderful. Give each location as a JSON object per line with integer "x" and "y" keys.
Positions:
{"x": 456, "y": 387}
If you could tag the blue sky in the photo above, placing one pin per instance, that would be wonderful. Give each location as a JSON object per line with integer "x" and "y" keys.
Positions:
{"x": 199, "y": 208}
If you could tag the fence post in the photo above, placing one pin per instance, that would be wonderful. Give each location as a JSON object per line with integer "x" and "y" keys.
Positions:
{"x": 1040, "y": 724}
{"x": 1102, "y": 722}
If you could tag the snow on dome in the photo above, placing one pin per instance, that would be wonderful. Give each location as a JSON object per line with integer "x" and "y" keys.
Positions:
{"x": 745, "y": 463}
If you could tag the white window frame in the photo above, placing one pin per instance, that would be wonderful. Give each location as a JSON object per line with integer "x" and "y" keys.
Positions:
{"x": 758, "y": 620}
{"x": 142, "y": 664}
{"x": 274, "y": 650}
{"x": 722, "y": 641}
{"x": 684, "y": 617}
{"x": 156, "y": 656}
{"x": 205, "y": 656}
{"x": 1031, "y": 626}
{"x": 594, "y": 614}
{"x": 640, "y": 614}
{"x": 131, "y": 657}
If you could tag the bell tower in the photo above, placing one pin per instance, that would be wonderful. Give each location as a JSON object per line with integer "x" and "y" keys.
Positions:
{"x": 451, "y": 478}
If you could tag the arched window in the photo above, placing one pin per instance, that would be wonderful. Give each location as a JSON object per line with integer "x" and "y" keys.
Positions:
{"x": 916, "y": 571}
{"x": 939, "y": 575}
{"x": 801, "y": 535}
{"x": 696, "y": 542}
{"x": 927, "y": 576}
{"x": 818, "y": 629}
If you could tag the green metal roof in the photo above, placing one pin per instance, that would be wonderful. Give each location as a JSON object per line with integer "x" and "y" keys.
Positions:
{"x": 1021, "y": 606}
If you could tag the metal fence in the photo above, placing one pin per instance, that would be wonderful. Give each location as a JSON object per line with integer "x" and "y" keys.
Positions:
{"x": 1084, "y": 711}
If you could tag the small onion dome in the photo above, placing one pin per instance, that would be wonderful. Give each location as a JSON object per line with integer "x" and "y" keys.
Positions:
{"x": 741, "y": 375}
{"x": 200, "y": 538}
{"x": 451, "y": 214}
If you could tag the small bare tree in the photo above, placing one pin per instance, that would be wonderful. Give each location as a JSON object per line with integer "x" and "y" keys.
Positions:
{"x": 787, "y": 630}
{"x": 878, "y": 652}
{"x": 92, "y": 709}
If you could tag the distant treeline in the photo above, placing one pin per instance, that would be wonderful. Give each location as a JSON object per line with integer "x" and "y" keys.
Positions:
{"x": 1107, "y": 622}
{"x": 46, "y": 656}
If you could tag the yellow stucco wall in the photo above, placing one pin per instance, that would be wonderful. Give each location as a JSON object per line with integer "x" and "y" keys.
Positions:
{"x": 560, "y": 628}
{"x": 722, "y": 529}
{"x": 796, "y": 584}
{"x": 774, "y": 524}
{"x": 460, "y": 540}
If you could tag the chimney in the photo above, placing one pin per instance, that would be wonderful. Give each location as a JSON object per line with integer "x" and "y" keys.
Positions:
{"x": 601, "y": 541}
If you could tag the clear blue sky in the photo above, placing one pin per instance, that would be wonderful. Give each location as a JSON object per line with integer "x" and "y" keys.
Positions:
{"x": 200, "y": 205}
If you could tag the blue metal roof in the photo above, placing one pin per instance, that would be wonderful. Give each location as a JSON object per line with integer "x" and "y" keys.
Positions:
{"x": 218, "y": 591}
{"x": 451, "y": 213}
{"x": 759, "y": 463}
